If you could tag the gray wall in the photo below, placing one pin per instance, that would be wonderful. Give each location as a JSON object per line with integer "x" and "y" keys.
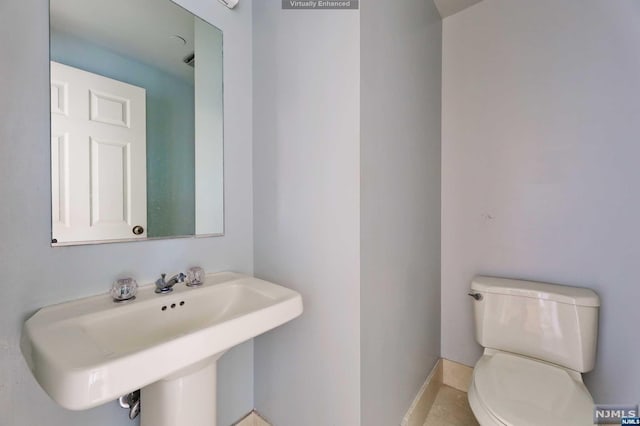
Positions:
{"x": 540, "y": 165}
{"x": 307, "y": 218}
{"x": 401, "y": 58}
{"x": 36, "y": 275}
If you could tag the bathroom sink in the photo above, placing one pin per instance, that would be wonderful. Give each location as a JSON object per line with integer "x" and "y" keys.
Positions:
{"x": 91, "y": 351}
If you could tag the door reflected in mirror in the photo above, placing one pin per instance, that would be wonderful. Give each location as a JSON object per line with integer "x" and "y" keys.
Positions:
{"x": 136, "y": 122}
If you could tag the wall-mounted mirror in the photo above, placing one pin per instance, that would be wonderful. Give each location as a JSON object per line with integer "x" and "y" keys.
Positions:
{"x": 136, "y": 122}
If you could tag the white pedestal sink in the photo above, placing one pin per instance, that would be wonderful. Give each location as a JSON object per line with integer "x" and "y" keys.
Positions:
{"x": 91, "y": 351}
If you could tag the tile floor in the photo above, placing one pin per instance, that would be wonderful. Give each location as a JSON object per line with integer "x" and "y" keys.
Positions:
{"x": 450, "y": 408}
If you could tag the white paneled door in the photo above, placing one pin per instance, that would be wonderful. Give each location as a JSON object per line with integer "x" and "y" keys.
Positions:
{"x": 98, "y": 157}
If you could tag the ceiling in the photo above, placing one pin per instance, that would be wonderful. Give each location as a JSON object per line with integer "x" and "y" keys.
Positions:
{"x": 450, "y": 7}
{"x": 142, "y": 29}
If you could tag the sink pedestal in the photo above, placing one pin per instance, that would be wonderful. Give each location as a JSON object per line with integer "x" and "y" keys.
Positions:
{"x": 186, "y": 398}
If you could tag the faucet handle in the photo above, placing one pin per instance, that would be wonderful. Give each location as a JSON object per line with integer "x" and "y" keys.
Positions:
{"x": 161, "y": 284}
{"x": 124, "y": 289}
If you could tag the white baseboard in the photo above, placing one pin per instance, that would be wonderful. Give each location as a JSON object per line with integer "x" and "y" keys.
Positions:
{"x": 252, "y": 419}
{"x": 419, "y": 409}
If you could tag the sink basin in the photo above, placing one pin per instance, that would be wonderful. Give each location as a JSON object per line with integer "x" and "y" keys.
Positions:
{"x": 91, "y": 351}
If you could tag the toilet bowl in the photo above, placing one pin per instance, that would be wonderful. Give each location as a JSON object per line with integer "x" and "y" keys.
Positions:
{"x": 508, "y": 389}
{"x": 538, "y": 339}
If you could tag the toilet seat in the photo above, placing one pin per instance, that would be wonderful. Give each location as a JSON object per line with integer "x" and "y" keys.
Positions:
{"x": 514, "y": 390}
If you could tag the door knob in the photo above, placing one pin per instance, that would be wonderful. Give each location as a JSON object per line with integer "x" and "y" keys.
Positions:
{"x": 138, "y": 230}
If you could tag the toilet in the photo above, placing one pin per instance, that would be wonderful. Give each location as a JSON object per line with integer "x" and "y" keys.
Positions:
{"x": 538, "y": 339}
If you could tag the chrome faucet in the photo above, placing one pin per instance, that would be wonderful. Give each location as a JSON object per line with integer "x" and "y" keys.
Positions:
{"x": 163, "y": 287}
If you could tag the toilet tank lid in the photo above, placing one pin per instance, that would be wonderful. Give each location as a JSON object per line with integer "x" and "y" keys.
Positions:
{"x": 559, "y": 293}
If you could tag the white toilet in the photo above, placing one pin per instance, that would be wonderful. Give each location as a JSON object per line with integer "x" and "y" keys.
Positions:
{"x": 538, "y": 339}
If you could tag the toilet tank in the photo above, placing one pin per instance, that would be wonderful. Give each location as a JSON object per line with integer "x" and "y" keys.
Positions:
{"x": 549, "y": 322}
